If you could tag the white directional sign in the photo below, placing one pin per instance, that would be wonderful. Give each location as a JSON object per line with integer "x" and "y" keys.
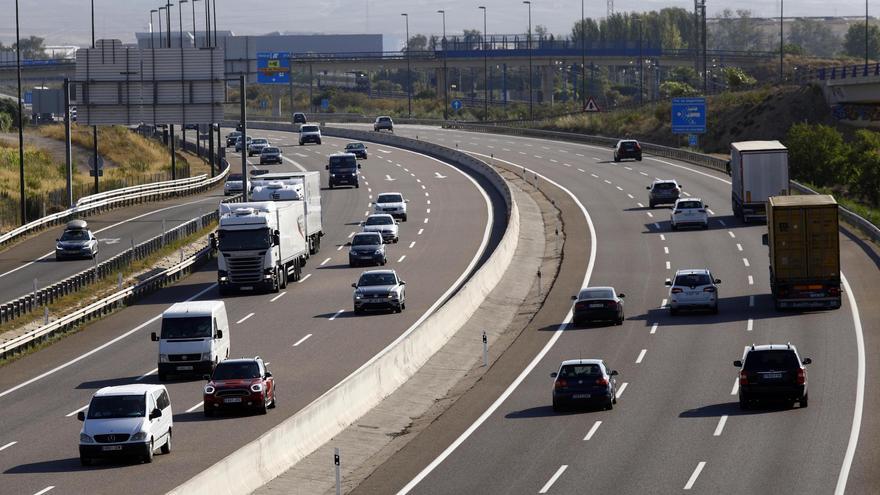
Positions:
{"x": 389, "y": 178}
{"x": 438, "y": 176}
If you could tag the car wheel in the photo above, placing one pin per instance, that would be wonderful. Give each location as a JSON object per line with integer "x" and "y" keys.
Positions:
{"x": 331, "y": 186}
{"x": 384, "y": 261}
{"x": 398, "y": 309}
{"x": 357, "y": 186}
{"x": 395, "y": 240}
{"x": 621, "y": 320}
{"x": 743, "y": 403}
{"x": 319, "y": 141}
{"x": 264, "y": 408}
{"x": 652, "y": 205}
{"x": 674, "y": 227}
{"x": 610, "y": 405}
{"x": 403, "y": 305}
{"x": 163, "y": 377}
{"x": 404, "y": 217}
{"x": 208, "y": 412}
{"x": 556, "y": 406}
{"x": 673, "y": 311}
{"x": 715, "y": 309}
{"x": 358, "y": 311}
{"x": 639, "y": 158}
{"x": 85, "y": 461}
{"x": 274, "y": 402}
{"x": 616, "y": 159}
{"x": 804, "y": 400}
{"x": 148, "y": 458}
{"x": 166, "y": 449}
{"x": 300, "y": 143}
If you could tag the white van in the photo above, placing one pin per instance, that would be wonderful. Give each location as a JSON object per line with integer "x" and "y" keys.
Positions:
{"x": 194, "y": 338}
{"x": 127, "y": 421}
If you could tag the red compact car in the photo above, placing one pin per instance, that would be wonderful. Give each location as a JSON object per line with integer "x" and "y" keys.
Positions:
{"x": 240, "y": 384}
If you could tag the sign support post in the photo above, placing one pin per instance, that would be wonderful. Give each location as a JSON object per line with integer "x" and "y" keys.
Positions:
{"x": 244, "y": 136}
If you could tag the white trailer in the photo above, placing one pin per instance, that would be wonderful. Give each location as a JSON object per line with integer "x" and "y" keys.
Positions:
{"x": 759, "y": 170}
{"x": 260, "y": 245}
{"x": 308, "y": 186}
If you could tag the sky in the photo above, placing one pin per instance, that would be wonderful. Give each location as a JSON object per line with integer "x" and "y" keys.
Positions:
{"x": 67, "y": 22}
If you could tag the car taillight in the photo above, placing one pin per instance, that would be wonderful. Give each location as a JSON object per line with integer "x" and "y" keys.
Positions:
{"x": 709, "y": 289}
{"x": 602, "y": 381}
{"x": 611, "y": 304}
{"x": 560, "y": 383}
{"x": 834, "y": 291}
{"x": 743, "y": 378}
{"x": 580, "y": 305}
{"x": 801, "y": 377}
{"x": 638, "y": 147}
{"x": 676, "y": 290}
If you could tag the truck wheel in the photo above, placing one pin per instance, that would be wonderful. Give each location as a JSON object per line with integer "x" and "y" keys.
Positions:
{"x": 283, "y": 276}
{"x": 404, "y": 217}
{"x": 276, "y": 282}
{"x": 331, "y": 185}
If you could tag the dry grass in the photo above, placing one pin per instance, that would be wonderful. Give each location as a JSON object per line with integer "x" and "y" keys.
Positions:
{"x": 43, "y": 173}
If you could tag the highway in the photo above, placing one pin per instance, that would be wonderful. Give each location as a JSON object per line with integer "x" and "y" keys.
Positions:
{"x": 308, "y": 332}
{"x": 677, "y": 425}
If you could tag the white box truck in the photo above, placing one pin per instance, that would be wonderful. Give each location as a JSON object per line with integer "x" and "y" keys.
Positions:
{"x": 303, "y": 186}
{"x": 261, "y": 245}
{"x": 759, "y": 170}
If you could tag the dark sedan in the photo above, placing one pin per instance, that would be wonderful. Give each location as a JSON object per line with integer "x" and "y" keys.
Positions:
{"x": 357, "y": 149}
{"x": 379, "y": 289}
{"x": 584, "y": 381}
{"x": 594, "y": 304}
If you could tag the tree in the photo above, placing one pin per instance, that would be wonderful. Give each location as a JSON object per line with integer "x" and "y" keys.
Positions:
{"x": 739, "y": 32}
{"x": 814, "y": 37}
{"x": 417, "y": 43}
{"x": 590, "y": 30}
{"x": 865, "y": 159}
{"x": 737, "y": 78}
{"x": 33, "y": 48}
{"x": 540, "y": 32}
{"x": 672, "y": 89}
{"x": 472, "y": 36}
{"x": 854, "y": 41}
{"x": 818, "y": 154}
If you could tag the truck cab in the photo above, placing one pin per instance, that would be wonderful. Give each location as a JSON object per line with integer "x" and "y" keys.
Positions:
{"x": 193, "y": 339}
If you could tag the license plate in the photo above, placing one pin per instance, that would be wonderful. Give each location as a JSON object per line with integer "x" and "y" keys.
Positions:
{"x": 377, "y": 300}
{"x": 246, "y": 287}
{"x": 597, "y": 305}
{"x": 232, "y": 399}
{"x": 772, "y": 375}
{"x": 184, "y": 368}
{"x": 580, "y": 396}
{"x": 111, "y": 447}
{"x": 692, "y": 293}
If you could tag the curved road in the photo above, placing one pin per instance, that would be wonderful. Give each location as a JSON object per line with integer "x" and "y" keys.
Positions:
{"x": 308, "y": 333}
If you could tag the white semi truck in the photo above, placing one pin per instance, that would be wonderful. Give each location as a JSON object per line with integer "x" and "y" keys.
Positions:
{"x": 758, "y": 170}
{"x": 304, "y": 187}
{"x": 261, "y": 245}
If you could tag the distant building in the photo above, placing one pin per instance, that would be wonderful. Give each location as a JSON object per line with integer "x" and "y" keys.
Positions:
{"x": 152, "y": 40}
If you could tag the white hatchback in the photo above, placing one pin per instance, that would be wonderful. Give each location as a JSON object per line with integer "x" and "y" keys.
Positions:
{"x": 689, "y": 212}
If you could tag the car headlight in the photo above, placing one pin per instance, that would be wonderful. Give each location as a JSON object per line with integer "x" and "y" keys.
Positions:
{"x": 392, "y": 295}
{"x": 378, "y": 251}
{"x": 206, "y": 356}
{"x": 257, "y": 387}
{"x": 163, "y": 358}
{"x": 357, "y": 296}
{"x": 209, "y": 390}
{"x": 83, "y": 438}
{"x": 141, "y": 435}
{"x": 332, "y": 175}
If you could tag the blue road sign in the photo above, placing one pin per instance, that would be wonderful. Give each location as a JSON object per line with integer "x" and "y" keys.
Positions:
{"x": 273, "y": 68}
{"x": 693, "y": 140}
{"x": 456, "y": 105}
{"x": 28, "y": 97}
{"x": 689, "y": 115}
{"x": 325, "y": 103}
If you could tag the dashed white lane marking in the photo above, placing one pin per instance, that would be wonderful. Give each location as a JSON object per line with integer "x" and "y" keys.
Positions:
{"x": 750, "y": 325}
{"x": 239, "y": 322}
{"x": 751, "y": 280}
{"x": 429, "y": 201}
{"x": 405, "y": 169}
{"x": 401, "y": 259}
{"x": 656, "y": 225}
{"x": 279, "y": 296}
{"x": 619, "y": 188}
{"x": 746, "y": 262}
{"x": 654, "y": 328}
{"x": 426, "y": 194}
{"x": 301, "y": 155}
{"x": 10, "y": 444}
{"x": 83, "y": 408}
{"x": 554, "y": 160}
{"x": 367, "y": 213}
{"x": 665, "y": 249}
{"x": 142, "y": 376}
{"x": 383, "y": 151}
{"x": 597, "y": 159}
{"x": 686, "y": 193}
{"x": 567, "y": 164}
{"x": 350, "y": 235}
{"x": 581, "y": 170}
{"x": 662, "y": 237}
{"x": 594, "y": 176}
{"x": 342, "y": 246}
{"x": 522, "y": 152}
{"x": 428, "y": 210}
{"x": 628, "y": 168}
{"x": 579, "y": 154}
{"x": 420, "y": 231}
{"x": 663, "y": 303}
{"x": 643, "y": 174}
{"x": 490, "y": 146}
{"x": 620, "y": 390}
{"x": 336, "y": 314}
{"x": 592, "y": 430}
{"x": 732, "y": 235}
{"x": 695, "y": 475}
{"x": 426, "y": 220}
{"x": 739, "y": 247}
{"x": 505, "y": 149}
{"x": 413, "y": 243}
{"x": 45, "y": 490}
{"x": 721, "y": 422}
{"x": 751, "y": 301}
{"x": 193, "y": 408}
{"x": 607, "y": 181}
{"x": 641, "y": 356}
{"x": 325, "y": 261}
{"x": 300, "y": 341}
{"x": 423, "y": 186}
{"x": 668, "y": 266}
{"x": 710, "y": 211}
{"x": 650, "y": 214}
{"x": 417, "y": 180}
{"x": 539, "y": 157}
{"x": 641, "y": 205}
{"x": 553, "y": 478}
{"x": 735, "y": 387}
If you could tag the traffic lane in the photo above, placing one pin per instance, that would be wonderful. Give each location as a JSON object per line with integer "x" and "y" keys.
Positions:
{"x": 148, "y": 357}
{"x": 33, "y": 259}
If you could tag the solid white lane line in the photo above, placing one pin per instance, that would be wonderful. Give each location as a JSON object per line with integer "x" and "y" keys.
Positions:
{"x": 83, "y": 408}
{"x": 10, "y": 444}
{"x": 750, "y": 325}
{"x": 721, "y": 422}
{"x": 860, "y": 391}
{"x": 732, "y": 236}
{"x": 300, "y": 341}
{"x": 751, "y": 301}
{"x": 751, "y": 280}
{"x": 325, "y": 261}
{"x": 45, "y": 490}
{"x": 401, "y": 259}
{"x": 336, "y": 314}
{"x": 279, "y": 296}
{"x": 553, "y": 478}
{"x": 641, "y": 356}
{"x": 420, "y": 231}
{"x": 739, "y": 247}
{"x": 695, "y": 475}
{"x": 413, "y": 243}
{"x": 663, "y": 238}
{"x": 620, "y": 390}
{"x": 142, "y": 376}
{"x": 663, "y": 303}
{"x": 746, "y": 261}
{"x": 735, "y": 387}
{"x": 304, "y": 278}
{"x": 654, "y": 328}
{"x": 668, "y": 266}
{"x": 193, "y": 408}
{"x": 665, "y": 249}
{"x": 592, "y": 430}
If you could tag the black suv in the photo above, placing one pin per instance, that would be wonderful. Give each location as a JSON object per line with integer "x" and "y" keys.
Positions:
{"x": 772, "y": 372}
{"x": 627, "y": 148}
{"x": 664, "y": 191}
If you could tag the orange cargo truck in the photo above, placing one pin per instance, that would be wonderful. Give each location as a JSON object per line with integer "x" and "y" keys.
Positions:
{"x": 802, "y": 233}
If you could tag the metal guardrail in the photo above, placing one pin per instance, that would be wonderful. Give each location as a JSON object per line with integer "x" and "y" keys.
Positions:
{"x": 128, "y": 195}
{"x": 700, "y": 159}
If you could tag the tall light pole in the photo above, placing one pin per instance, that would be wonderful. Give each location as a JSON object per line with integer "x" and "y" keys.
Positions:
{"x": 445, "y": 70}
{"x": 94, "y": 127}
{"x": 866, "y": 34}
{"x": 182, "y": 84}
{"x": 583, "y": 58}
{"x": 485, "y": 67}
{"x": 152, "y": 11}
{"x": 214, "y": 30}
{"x": 168, "y": 6}
{"x": 20, "y": 120}
{"x": 180, "y": 19}
{"x": 193, "y": 2}
{"x": 641, "y": 64}
{"x": 161, "y": 37}
{"x": 408, "y": 71}
{"x": 781, "y": 42}
{"x": 529, "y": 41}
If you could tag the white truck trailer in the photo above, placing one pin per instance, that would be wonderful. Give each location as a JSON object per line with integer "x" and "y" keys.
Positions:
{"x": 261, "y": 245}
{"x": 306, "y": 185}
{"x": 759, "y": 170}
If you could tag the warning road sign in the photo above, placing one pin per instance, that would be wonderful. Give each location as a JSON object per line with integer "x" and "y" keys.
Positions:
{"x": 591, "y": 105}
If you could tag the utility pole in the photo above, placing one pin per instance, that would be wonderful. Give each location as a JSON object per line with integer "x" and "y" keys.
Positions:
{"x": 244, "y": 177}
{"x": 408, "y": 70}
{"x": 782, "y": 40}
{"x": 531, "y": 74}
{"x": 20, "y": 120}
{"x": 583, "y": 59}
{"x": 445, "y": 70}
{"x": 485, "y": 67}
{"x": 170, "y": 126}
{"x": 94, "y": 127}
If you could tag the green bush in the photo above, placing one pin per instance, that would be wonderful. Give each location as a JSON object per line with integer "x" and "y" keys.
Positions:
{"x": 5, "y": 122}
{"x": 818, "y": 154}
{"x": 671, "y": 89}
{"x": 864, "y": 158}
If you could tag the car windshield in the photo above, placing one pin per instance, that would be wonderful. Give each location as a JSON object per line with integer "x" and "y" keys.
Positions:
{"x": 380, "y": 221}
{"x": 236, "y": 370}
{"x": 234, "y": 134}
{"x": 580, "y": 370}
{"x": 369, "y": 279}
{"x": 628, "y": 145}
{"x": 309, "y": 128}
{"x": 596, "y": 294}
{"x": 693, "y": 280}
{"x": 268, "y": 150}
{"x": 343, "y": 162}
{"x": 389, "y": 198}
{"x": 664, "y": 186}
{"x": 781, "y": 359}
{"x": 190, "y": 327}
{"x": 117, "y": 406}
{"x": 75, "y": 235}
{"x": 243, "y": 240}
{"x": 384, "y": 119}
{"x": 260, "y": 141}
{"x": 689, "y": 204}
{"x": 354, "y": 146}
{"x": 366, "y": 240}
{"x": 234, "y": 177}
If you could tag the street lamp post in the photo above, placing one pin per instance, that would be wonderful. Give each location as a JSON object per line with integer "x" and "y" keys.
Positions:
{"x": 193, "y": 2}
{"x": 94, "y": 127}
{"x": 182, "y": 84}
{"x": 641, "y": 63}
{"x": 485, "y": 67}
{"x": 161, "y": 36}
{"x": 529, "y": 41}
{"x": 866, "y": 34}
{"x": 20, "y": 121}
{"x": 781, "y": 42}
{"x": 215, "y": 37}
{"x": 408, "y": 71}
{"x": 445, "y": 70}
{"x": 152, "y": 11}
{"x": 583, "y": 59}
